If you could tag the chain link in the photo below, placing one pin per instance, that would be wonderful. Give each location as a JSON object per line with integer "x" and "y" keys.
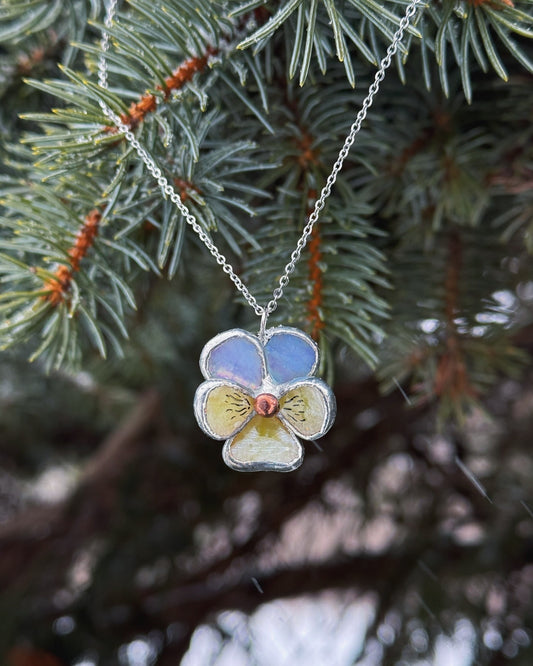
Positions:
{"x": 170, "y": 192}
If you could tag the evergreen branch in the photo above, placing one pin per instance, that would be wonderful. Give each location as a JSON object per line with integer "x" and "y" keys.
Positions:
{"x": 451, "y": 155}
{"x": 212, "y": 174}
{"x": 434, "y": 172}
{"x": 56, "y": 305}
{"x": 181, "y": 76}
{"x": 82, "y": 92}
{"x": 461, "y": 339}
{"x": 451, "y": 378}
{"x": 34, "y": 25}
{"x": 205, "y": 185}
{"x": 342, "y": 301}
{"x": 27, "y": 17}
{"x": 243, "y": 97}
{"x": 513, "y": 183}
{"x": 62, "y": 148}
{"x": 58, "y": 287}
{"x": 334, "y": 295}
{"x": 157, "y": 30}
{"x": 315, "y": 21}
{"x": 512, "y": 46}
{"x": 472, "y": 27}
{"x": 287, "y": 9}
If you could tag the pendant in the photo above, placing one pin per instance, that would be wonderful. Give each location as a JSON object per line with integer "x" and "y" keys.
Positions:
{"x": 261, "y": 396}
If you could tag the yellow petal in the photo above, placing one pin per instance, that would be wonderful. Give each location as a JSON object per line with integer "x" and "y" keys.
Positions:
{"x": 308, "y": 408}
{"x": 221, "y": 409}
{"x": 263, "y": 444}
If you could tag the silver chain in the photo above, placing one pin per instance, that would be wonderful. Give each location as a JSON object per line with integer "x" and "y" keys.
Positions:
{"x": 170, "y": 192}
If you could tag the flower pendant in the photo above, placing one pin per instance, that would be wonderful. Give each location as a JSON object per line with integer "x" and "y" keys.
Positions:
{"x": 261, "y": 396}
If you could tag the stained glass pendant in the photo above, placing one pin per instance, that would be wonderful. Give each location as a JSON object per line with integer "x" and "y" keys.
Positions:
{"x": 260, "y": 396}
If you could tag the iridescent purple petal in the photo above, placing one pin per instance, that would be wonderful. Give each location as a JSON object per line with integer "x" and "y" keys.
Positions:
{"x": 290, "y": 354}
{"x": 236, "y": 358}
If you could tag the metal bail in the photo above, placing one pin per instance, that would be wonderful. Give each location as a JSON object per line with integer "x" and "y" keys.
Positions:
{"x": 262, "y": 328}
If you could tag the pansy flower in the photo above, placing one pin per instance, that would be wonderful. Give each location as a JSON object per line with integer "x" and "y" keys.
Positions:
{"x": 260, "y": 397}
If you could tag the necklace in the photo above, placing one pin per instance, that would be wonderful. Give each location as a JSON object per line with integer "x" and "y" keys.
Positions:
{"x": 260, "y": 393}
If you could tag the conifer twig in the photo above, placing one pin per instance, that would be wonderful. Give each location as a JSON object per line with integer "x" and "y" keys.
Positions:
{"x": 58, "y": 286}
{"x": 148, "y": 103}
{"x": 451, "y": 378}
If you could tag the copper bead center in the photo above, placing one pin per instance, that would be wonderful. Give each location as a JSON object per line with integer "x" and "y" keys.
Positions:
{"x": 266, "y": 404}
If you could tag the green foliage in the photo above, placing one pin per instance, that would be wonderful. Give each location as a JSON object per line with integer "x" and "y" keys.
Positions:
{"x": 347, "y": 305}
{"x": 462, "y": 341}
{"x": 459, "y": 31}
{"x": 478, "y": 30}
{"x": 323, "y": 27}
{"x": 98, "y": 295}
{"x": 210, "y": 134}
{"x": 39, "y": 24}
{"x": 446, "y": 247}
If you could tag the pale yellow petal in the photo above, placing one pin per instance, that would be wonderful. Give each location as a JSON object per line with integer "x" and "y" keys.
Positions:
{"x": 222, "y": 409}
{"x": 263, "y": 444}
{"x": 308, "y": 408}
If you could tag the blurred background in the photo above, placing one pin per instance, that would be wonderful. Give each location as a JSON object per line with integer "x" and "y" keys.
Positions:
{"x": 125, "y": 540}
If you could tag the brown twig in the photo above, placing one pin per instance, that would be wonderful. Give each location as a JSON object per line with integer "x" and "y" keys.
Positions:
{"x": 451, "y": 377}
{"x": 183, "y": 74}
{"x": 58, "y": 287}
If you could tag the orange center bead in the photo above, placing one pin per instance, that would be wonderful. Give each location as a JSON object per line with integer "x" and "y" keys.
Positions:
{"x": 266, "y": 404}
